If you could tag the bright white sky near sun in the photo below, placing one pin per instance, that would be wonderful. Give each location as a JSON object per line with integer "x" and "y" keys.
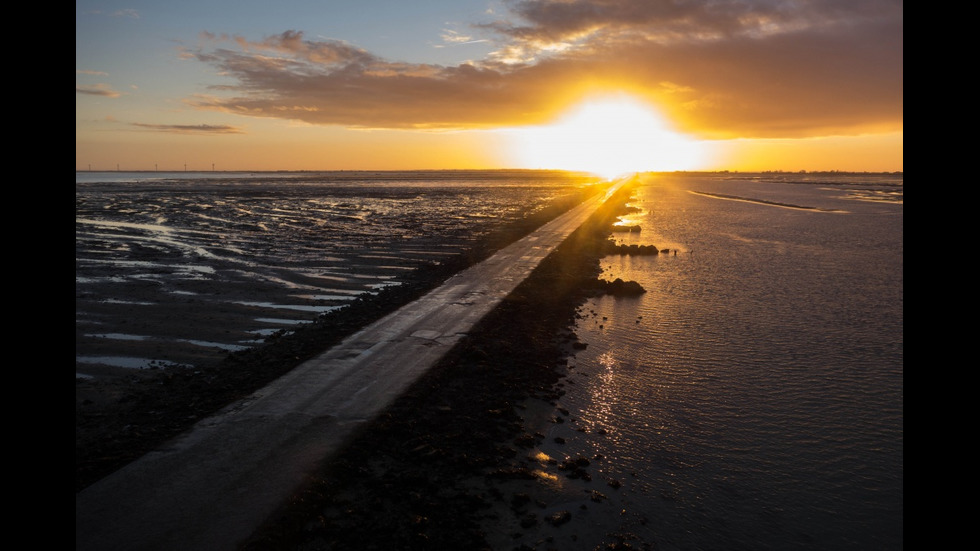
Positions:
{"x": 601, "y": 85}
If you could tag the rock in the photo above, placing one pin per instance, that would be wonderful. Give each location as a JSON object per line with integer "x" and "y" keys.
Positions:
{"x": 611, "y": 248}
{"x": 626, "y": 229}
{"x": 529, "y": 520}
{"x": 560, "y": 517}
{"x": 519, "y": 500}
{"x": 618, "y": 287}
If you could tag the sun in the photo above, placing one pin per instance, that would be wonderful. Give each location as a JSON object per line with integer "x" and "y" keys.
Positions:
{"x": 607, "y": 136}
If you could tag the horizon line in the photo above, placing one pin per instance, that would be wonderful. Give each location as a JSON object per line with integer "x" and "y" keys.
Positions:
{"x": 718, "y": 171}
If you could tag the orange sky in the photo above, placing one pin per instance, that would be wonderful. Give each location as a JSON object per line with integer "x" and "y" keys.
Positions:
{"x": 811, "y": 85}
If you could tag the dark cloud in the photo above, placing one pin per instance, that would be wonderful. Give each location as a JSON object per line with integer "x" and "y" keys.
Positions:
{"x": 191, "y": 128}
{"x": 685, "y": 20}
{"x": 329, "y": 82}
{"x": 720, "y": 68}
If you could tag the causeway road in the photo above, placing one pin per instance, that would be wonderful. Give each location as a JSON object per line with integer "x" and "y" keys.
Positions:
{"x": 211, "y": 487}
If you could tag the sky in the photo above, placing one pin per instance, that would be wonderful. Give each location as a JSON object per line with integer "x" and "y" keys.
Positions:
{"x": 606, "y": 86}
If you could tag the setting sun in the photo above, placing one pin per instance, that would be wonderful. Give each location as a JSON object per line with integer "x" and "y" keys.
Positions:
{"x": 605, "y": 86}
{"x": 608, "y": 136}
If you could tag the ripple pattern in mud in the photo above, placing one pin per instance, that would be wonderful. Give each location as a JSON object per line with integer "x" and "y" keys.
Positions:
{"x": 187, "y": 269}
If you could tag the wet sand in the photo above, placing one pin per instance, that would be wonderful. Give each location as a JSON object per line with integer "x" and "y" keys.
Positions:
{"x": 182, "y": 272}
{"x": 449, "y": 458}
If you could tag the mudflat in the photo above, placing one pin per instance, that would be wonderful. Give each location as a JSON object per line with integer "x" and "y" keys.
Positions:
{"x": 427, "y": 470}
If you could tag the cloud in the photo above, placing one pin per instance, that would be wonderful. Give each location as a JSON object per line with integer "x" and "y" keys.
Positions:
{"x": 191, "y": 128}
{"x": 671, "y": 21}
{"x": 86, "y": 72}
{"x": 450, "y": 36}
{"x": 724, "y": 68}
{"x": 103, "y": 90}
{"x": 130, "y": 13}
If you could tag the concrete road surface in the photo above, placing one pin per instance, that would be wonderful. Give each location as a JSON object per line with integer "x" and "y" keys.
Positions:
{"x": 211, "y": 487}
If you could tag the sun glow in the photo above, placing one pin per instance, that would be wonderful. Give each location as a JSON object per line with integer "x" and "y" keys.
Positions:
{"x": 608, "y": 136}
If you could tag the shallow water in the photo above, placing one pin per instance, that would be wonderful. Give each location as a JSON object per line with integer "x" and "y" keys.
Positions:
{"x": 753, "y": 397}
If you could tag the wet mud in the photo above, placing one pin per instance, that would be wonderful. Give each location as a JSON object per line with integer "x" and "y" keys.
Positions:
{"x": 450, "y": 458}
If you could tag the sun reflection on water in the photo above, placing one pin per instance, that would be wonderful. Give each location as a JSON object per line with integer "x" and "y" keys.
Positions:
{"x": 543, "y": 475}
{"x": 600, "y": 414}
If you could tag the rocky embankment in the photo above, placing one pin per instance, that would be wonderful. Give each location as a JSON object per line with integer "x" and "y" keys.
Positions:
{"x": 431, "y": 470}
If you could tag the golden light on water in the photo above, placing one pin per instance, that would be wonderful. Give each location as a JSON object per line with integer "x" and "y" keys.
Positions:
{"x": 542, "y": 457}
{"x": 608, "y": 136}
{"x": 545, "y": 475}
